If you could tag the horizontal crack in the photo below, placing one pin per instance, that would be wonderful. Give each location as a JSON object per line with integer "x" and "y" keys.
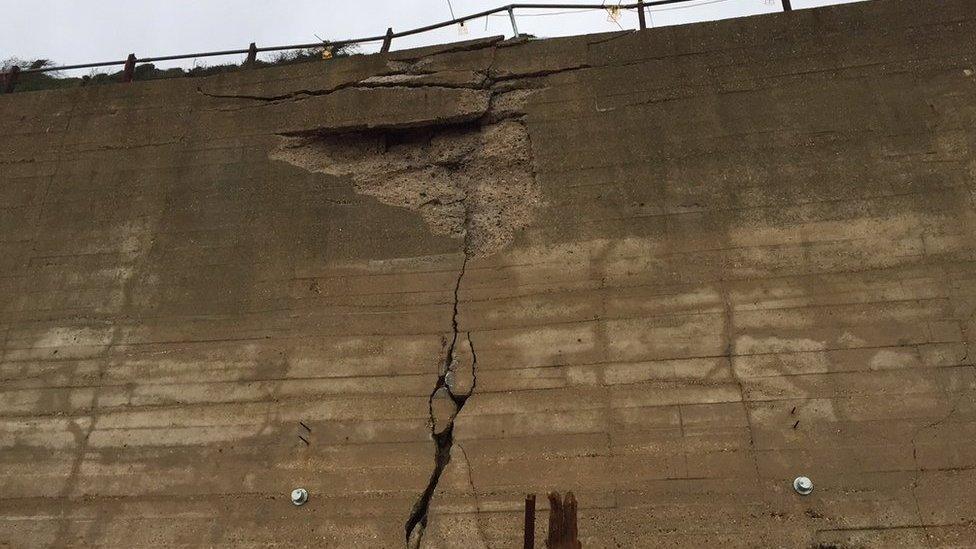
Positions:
{"x": 538, "y": 74}
{"x": 490, "y": 80}
{"x": 297, "y": 94}
{"x": 359, "y": 84}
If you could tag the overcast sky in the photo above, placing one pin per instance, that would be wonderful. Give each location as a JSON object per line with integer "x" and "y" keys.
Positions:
{"x": 79, "y": 31}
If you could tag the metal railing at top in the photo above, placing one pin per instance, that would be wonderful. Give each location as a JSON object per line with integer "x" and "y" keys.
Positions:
{"x": 10, "y": 77}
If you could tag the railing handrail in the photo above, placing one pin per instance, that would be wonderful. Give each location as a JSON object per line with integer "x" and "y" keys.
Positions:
{"x": 383, "y": 37}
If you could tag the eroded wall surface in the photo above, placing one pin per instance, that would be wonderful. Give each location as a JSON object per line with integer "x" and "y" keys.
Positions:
{"x": 668, "y": 270}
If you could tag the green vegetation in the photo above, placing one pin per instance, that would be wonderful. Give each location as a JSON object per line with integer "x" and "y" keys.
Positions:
{"x": 148, "y": 71}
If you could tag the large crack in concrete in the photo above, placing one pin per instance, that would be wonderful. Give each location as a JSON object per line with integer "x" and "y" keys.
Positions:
{"x": 456, "y": 383}
{"x": 471, "y": 179}
{"x": 395, "y": 80}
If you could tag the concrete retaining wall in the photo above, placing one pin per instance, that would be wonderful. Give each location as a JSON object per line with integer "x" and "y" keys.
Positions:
{"x": 668, "y": 270}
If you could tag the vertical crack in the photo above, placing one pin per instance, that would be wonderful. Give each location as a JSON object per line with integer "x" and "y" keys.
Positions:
{"x": 444, "y": 404}
{"x": 457, "y": 379}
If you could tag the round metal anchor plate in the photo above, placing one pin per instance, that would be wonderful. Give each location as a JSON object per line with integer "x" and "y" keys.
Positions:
{"x": 803, "y": 485}
{"x": 299, "y": 496}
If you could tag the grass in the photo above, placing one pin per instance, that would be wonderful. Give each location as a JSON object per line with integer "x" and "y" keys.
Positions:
{"x": 148, "y": 71}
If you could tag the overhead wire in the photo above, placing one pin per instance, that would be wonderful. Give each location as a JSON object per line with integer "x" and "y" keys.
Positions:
{"x": 584, "y": 10}
{"x": 649, "y": 8}
{"x": 613, "y": 16}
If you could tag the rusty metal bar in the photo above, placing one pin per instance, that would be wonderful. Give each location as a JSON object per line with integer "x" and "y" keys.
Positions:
{"x": 528, "y": 537}
{"x": 570, "y": 522}
{"x": 554, "y": 537}
{"x": 563, "y": 532}
{"x": 387, "y": 40}
{"x": 129, "y": 69}
{"x": 10, "y": 79}
{"x": 640, "y": 15}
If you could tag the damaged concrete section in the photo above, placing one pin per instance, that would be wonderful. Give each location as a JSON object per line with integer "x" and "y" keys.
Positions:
{"x": 454, "y": 147}
{"x": 454, "y": 387}
{"x": 471, "y": 181}
{"x": 469, "y": 175}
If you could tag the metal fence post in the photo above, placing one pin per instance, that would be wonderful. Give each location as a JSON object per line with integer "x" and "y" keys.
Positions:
{"x": 387, "y": 40}
{"x": 787, "y": 6}
{"x": 640, "y": 15}
{"x": 10, "y": 79}
{"x": 252, "y": 55}
{"x": 129, "y": 69}
{"x": 511, "y": 16}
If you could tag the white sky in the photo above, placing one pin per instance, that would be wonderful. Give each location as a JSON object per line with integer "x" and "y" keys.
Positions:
{"x": 79, "y": 31}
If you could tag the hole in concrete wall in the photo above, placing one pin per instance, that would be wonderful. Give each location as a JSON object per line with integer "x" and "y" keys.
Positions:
{"x": 468, "y": 181}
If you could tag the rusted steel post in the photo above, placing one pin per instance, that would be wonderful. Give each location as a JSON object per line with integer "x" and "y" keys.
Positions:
{"x": 555, "y": 535}
{"x": 387, "y": 40}
{"x": 563, "y": 533}
{"x": 529, "y": 532}
{"x": 10, "y": 79}
{"x": 129, "y": 69}
{"x": 787, "y": 6}
{"x": 252, "y": 55}
{"x": 640, "y": 15}
{"x": 570, "y": 523}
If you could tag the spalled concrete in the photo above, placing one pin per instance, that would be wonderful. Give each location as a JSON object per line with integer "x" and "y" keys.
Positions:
{"x": 470, "y": 182}
{"x": 668, "y": 271}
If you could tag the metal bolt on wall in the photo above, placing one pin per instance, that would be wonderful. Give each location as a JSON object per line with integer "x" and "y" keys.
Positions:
{"x": 299, "y": 496}
{"x": 803, "y": 485}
